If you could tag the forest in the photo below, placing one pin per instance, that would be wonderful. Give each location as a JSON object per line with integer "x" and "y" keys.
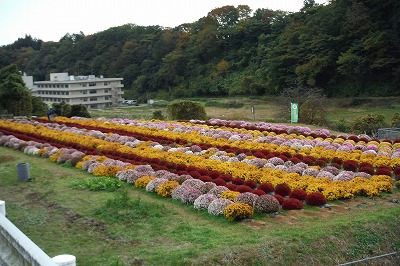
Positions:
{"x": 344, "y": 48}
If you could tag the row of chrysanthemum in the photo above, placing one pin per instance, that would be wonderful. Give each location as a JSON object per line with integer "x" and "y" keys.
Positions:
{"x": 332, "y": 190}
{"x": 274, "y": 162}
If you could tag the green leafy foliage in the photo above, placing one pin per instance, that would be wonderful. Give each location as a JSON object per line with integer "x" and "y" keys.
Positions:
{"x": 395, "y": 122}
{"x": 369, "y": 124}
{"x": 158, "y": 115}
{"x": 14, "y": 96}
{"x": 97, "y": 183}
{"x": 347, "y": 48}
{"x": 186, "y": 110}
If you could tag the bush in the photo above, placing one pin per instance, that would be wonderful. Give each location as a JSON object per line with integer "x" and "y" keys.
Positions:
{"x": 292, "y": 204}
{"x": 266, "y": 187}
{"x": 238, "y": 211}
{"x": 79, "y": 110}
{"x": 143, "y": 181}
{"x": 218, "y": 206}
{"x": 282, "y": 189}
{"x": 313, "y": 111}
{"x": 395, "y": 122}
{"x": 279, "y": 198}
{"x": 203, "y": 201}
{"x": 299, "y": 194}
{"x": 316, "y": 199}
{"x": 246, "y": 197}
{"x": 369, "y": 124}
{"x": 266, "y": 204}
{"x": 157, "y": 115}
{"x": 97, "y": 183}
{"x": 230, "y": 195}
{"x": 258, "y": 192}
{"x": 165, "y": 189}
{"x": 186, "y": 110}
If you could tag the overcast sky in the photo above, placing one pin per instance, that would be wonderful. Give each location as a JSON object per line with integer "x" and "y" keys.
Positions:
{"x": 50, "y": 20}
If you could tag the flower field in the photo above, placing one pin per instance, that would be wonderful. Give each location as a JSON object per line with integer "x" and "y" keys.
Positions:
{"x": 228, "y": 168}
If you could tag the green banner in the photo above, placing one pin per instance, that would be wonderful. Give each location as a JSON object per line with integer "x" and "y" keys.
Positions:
{"x": 294, "y": 117}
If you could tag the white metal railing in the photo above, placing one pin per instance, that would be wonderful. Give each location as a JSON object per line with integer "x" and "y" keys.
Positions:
{"x": 17, "y": 249}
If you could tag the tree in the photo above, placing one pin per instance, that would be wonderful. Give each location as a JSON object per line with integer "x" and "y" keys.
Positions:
{"x": 186, "y": 110}
{"x": 14, "y": 96}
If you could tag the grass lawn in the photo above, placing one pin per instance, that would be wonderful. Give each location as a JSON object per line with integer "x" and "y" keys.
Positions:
{"x": 133, "y": 227}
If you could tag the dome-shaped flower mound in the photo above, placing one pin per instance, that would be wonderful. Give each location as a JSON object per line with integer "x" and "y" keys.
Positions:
{"x": 279, "y": 198}
{"x": 190, "y": 194}
{"x": 143, "y": 181}
{"x": 246, "y": 197}
{"x": 299, "y": 194}
{"x": 219, "y": 181}
{"x": 258, "y": 192}
{"x": 266, "y": 187}
{"x": 238, "y": 211}
{"x": 250, "y": 183}
{"x": 315, "y": 199}
{"x": 195, "y": 183}
{"x": 292, "y": 204}
{"x": 266, "y": 204}
{"x": 218, "y": 206}
{"x": 217, "y": 190}
{"x": 207, "y": 186}
{"x": 153, "y": 185}
{"x": 232, "y": 187}
{"x": 203, "y": 201}
{"x": 282, "y": 189}
{"x": 166, "y": 188}
{"x": 231, "y": 195}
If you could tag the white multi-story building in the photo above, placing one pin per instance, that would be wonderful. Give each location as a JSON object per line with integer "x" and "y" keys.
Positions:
{"x": 91, "y": 91}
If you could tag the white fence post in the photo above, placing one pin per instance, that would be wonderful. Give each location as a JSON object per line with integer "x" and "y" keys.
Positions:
{"x": 3, "y": 207}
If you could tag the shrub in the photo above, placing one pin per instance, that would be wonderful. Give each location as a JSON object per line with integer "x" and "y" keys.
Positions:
{"x": 165, "y": 189}
{"x": 190, "y": 194}
{"x": 383, "y": 171}
{"x": 157, "y": 115}
{"x": 246, "y": 197}
{"x": 230, "y": 195}
{"x": 266, "y": 204}
{"x": 395, "y": 122}
{"x": 238, "y": 211}
{"x": 203, "y": 201}
{"x": 350, "y": 165}
{"x": 282, "y": 189}
{"x": 244, "y": 188}
{"x": 369, "y": 124}
{"x": 250, "y": 183}
{"x": 219, "y": 181}
{"x": 218, "y": 206}
{"x": 314, "y": 111}
{"x": 217, "y": 190}
{"x": 143, "y": 181}
{"x": 238, "y": 181}
{"x": 186, "y": 110}
{"x": 207, "y": 186}
{"x": 279, "y": 198}
{"x": 205, "y": 178}
{"x": 97, "y": 183}
{"x": 292, "y": 204}
{"x": 267, "y": 187}
{"x": 299, "y": 194}
{"x": 153, "y": 185}
{"x": 258, "y": 192}
{"x": 316, "y": 199}
{"x": 232, "y": 187}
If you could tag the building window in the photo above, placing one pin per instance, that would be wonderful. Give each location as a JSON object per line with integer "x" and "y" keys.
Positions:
{"x": 66, "y": 85}
{"x": 106, "y": 90}
{"x": 67, "y": 100}
{"x": 92, "y": 84}
{"x": 92, "y": 91}
{"x": 106, "y": 83}
{"x": 84, "y": 85}
{"x": 84, "y": 92}
{"x": 84, "y": 99}
{"x": 67, "y": 93}
{"x": 93, "y": 99}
